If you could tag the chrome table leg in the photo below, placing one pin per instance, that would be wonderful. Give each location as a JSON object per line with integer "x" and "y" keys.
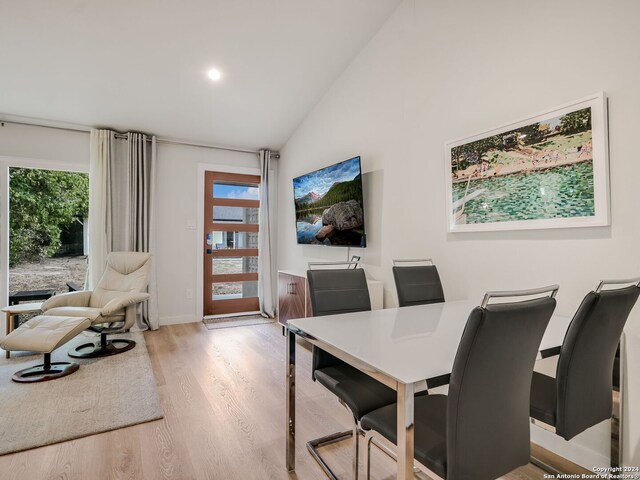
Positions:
{"x": 291, "y": 401}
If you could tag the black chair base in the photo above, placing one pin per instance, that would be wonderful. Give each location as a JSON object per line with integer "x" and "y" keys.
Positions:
{"x": 47, "y": 371}
{"x": 103, "y": 349}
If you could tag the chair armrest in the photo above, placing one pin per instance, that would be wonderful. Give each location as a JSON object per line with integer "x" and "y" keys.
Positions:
{"x": 70, "y": 299}
{"x": 122, "y": 302}
{"x": 550, "y": 352}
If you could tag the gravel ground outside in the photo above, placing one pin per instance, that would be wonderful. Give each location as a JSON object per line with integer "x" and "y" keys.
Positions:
{"x": 54, "y": 273}
{"x": 48, "y": 273}
{"x": 225, "y": 266}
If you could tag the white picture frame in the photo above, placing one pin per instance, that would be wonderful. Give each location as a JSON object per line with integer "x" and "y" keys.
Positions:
{"x": 544, "y": 181}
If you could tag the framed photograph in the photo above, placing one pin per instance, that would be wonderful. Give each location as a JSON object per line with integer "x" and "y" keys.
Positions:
{"x": 547, "y": 171}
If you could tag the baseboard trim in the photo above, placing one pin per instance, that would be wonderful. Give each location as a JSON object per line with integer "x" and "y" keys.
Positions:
{"x": 573, "y": 451}
{"x": 178, "y": 319}
{"x": 230, "y": 315}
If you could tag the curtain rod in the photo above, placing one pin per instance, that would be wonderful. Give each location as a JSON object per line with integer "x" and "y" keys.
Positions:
{"x": 86, "y": 129}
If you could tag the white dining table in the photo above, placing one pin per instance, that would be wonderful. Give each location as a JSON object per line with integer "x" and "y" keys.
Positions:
{"x": 400, "y": 347}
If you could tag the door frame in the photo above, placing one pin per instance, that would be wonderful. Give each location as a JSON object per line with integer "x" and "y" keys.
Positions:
{"x": 210, "y": 167}
{"x": 6, "y": 162}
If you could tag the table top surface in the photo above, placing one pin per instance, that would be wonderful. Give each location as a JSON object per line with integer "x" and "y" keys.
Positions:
{"x": 408, "y": 344}
{"x": 23, "y": 308}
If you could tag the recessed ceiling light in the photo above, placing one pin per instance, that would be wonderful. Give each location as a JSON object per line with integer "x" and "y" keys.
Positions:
{"x": 214, "y": 74}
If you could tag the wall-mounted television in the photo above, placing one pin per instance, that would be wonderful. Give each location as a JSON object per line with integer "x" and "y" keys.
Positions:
{"x": 329, "y": 206}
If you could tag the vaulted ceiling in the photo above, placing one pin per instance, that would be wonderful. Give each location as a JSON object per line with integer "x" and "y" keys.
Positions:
{"x": 142, "y": 64}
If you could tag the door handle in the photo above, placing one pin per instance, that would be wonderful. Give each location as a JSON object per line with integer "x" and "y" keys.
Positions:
{"x": 209, "y": 251}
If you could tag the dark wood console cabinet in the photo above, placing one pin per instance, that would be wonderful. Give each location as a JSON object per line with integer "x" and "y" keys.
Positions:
{"x": 294, "y": 301}
{"x": 293, "y": 297}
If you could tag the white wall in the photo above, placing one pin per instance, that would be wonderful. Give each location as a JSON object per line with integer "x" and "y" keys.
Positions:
{"x": 178, "y": 250}
{"x": 45, "y": 144}
{"x": 440, "y": 71}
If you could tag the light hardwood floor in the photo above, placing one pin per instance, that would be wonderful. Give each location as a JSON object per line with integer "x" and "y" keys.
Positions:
{"x": 222, "y": 392}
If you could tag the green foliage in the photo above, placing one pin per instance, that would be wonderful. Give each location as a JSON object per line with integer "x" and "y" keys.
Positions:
{"x": 42, "y": 203}
{"x": 474, "y": 153}
{"x": 575, "y": 122}
{"x": 532, "y": 134}
{"x": 341, "y": 192}
{"x": 471, "y": 153}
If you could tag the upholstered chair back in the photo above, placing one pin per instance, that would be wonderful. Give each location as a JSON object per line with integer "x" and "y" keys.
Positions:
{"x": 488, "y": 404}
{"x": 126, "y": 272}
{"x": 583, "y": 377}
{"x": 418, "y": 285}
{"x": 335, "y": 291}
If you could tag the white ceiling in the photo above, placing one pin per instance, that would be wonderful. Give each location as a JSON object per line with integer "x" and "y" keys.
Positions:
{"x": 141, "y": 64}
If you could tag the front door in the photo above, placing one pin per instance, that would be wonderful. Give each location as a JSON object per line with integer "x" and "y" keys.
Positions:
{"x": 230, "y": 250}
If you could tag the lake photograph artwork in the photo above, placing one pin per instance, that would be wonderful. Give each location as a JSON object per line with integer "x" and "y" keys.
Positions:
{"x": 539, "y": 171}
{"x": 329, "y": 207}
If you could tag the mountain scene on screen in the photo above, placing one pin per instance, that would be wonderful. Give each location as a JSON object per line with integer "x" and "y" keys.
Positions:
{"x": 329, "y": 208}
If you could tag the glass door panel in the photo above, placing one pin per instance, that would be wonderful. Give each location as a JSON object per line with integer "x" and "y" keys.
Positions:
{"x": 226, "y": 214}
{"x": 222, "y": 240}
{"x": 232, "y": 290}
{"x": 232, "y": 265}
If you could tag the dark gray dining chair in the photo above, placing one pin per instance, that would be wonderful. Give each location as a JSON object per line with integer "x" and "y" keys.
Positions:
{"x": 480, "y": 430}
{"x": 335, "y": 291}
{"x": 580, "y": 396}
{"x": 417, "y": 282}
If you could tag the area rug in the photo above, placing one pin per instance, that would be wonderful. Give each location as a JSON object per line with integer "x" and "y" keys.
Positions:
{"x": 226, "y": 322}
{"x": 104, "y": 394}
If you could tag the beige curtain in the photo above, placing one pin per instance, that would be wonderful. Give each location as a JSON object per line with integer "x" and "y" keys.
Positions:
{"x": 102, "y": 151}
{"x": 122, "y": 185}
{"x": 266, "y": 246}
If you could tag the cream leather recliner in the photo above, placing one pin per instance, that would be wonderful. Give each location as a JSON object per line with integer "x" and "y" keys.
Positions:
{"x": 111, "y": 307}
